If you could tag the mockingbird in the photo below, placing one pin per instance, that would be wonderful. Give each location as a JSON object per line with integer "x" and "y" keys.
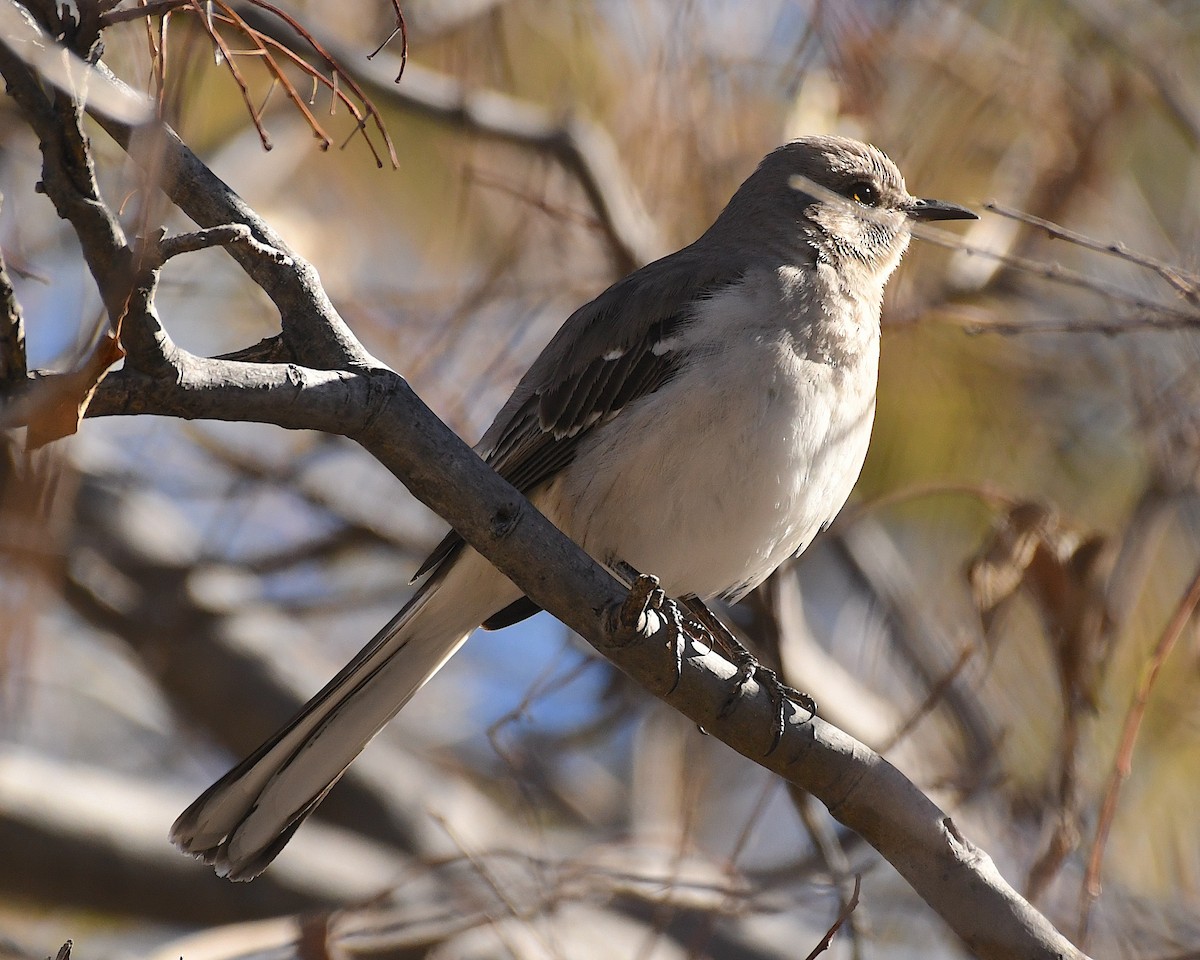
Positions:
{"x": 702, "y": 420}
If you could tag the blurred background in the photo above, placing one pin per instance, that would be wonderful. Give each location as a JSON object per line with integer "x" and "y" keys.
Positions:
{"x": 1014, "y": 571}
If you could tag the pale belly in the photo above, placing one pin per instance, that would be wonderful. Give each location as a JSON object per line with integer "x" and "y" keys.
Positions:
{"x": 711, "y": 485}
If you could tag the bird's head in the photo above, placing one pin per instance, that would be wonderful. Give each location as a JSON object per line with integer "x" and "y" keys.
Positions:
{"x": 845, "y": 198}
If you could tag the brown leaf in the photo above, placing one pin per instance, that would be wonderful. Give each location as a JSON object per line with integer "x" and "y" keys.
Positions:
{"x": 999, "y": 567}
{"x": 63, "y": 398}
{"x": 1064, "y": 574}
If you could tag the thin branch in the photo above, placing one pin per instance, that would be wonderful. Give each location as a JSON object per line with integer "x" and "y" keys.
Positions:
{"x": 1059, "y": 274}
{"x": 330, "y": 82}
{"x": 402, "y": 30}
{"x": 334, "y": 65}
{"x": 841, "y": 919}
{"x": 331, "y": 63}
{"x": 206, "y": 19}
{"x": 988, "y": 494}
{"x": 832, "y": 855}
{"x": 1123, "y": 761}
{"x": 220, "y": 236}
{"x": 1188, "y": 285}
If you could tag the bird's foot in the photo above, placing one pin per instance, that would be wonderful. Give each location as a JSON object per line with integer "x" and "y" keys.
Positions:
{"x": 748, "y": 668}
{"x": 647, "y": 610}
{"x": 643, "y": 607}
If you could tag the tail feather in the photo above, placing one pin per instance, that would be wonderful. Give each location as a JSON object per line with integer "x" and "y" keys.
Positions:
{"x": 242, "y": 822}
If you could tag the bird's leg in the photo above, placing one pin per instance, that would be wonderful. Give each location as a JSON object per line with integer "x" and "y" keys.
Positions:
{"x": 748, "y": 667}
{"x": 645, "y": 599}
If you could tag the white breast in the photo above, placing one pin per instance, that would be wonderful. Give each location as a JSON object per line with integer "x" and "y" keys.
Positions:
{"x": 719, "y": 476}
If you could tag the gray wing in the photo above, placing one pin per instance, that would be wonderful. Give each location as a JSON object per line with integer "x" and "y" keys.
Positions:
{"x": 610, "y": 352}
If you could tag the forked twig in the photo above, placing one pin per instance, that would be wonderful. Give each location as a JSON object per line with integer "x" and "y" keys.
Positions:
{"x": 214, "y": 13}
{"x": 402, "y": 29}
{"x": 336, "y": 70}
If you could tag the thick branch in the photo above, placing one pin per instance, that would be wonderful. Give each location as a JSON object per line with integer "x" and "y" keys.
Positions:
{"x": 285, "y": 394}
{"x": 69, "y": 181}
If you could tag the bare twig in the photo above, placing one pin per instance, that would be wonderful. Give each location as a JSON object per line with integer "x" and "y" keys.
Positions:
{"x": 402, "y": 30}
{"x": 937, "y": 692}
{"x": 1188, "y": 285}
{"x": 837, "y": 924}
{"x": 988, "y": 494}
{"x": 1057, "y": 273}
{"x": 833, "y": 858}
{"x": 334, "y": 65}
{"x": 220, "y": 236}
{"x": 1123, "y": 761}
{"x": 211, "y": 13}
{"x": 207, "y": 19}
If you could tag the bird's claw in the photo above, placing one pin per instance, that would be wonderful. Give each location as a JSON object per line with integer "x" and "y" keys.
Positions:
{"x": 645, "y": 600}
{"x": 748, "y": 668}
{"x": 647, "y": 610}
{"x": 780, "y": 693}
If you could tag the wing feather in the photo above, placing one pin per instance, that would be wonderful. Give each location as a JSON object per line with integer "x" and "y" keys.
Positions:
{"x": 595, "y": 366}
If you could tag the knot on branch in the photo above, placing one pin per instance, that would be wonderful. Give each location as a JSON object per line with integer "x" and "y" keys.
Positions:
{"x": 505, "y": 519}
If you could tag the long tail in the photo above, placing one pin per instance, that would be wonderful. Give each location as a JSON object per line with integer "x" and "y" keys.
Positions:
{"x": 241, "y": 822}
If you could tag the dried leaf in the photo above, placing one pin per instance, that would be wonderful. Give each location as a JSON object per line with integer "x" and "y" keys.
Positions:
{"x": 998, "y": 569}
{"x": 64, "y": 397}
{"x": 1064, "y": 573}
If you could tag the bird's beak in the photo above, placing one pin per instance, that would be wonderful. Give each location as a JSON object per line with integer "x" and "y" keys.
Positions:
{"x": 939, "y": 210}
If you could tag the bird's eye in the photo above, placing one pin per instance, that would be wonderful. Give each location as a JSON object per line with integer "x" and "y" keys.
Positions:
{"x": 864, "y": 192}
